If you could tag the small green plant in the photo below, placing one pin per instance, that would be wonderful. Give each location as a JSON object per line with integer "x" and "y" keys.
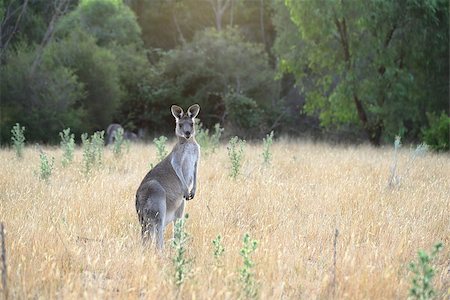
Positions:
{"x": 92, "y": 151}
{"x": 423, "y": 271}
{"x": 160, "y": 147}
{"x": 236, "y": 154}
{"x": 45, "y": 166}
{"x": 247, "y": 275}
{"x": 179, "y": 243}
{"x": 208, "y": 142}
{"x": 18, "y": 139}
{"x": 218, "y": 250}
{"x": 118, "y": 143}
{"x": 68, "y": 146}
{"x": 267, "y": 143}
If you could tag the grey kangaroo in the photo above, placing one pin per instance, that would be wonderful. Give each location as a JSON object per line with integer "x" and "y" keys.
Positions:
{"x": 161, "y": 197}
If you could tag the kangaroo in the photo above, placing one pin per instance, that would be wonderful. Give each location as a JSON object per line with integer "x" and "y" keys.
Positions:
{"x": 161, "y": 197}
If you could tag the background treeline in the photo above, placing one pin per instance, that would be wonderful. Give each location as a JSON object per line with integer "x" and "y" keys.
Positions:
{"x": 359, "y": 70}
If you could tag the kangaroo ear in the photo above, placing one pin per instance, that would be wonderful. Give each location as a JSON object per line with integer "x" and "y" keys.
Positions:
{"x": 193, "y": 111}
{"x": 177, "y": 111}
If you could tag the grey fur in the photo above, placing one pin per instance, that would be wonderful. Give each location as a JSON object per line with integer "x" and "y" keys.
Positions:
{"x": 111, "y": 134}
{"x": 160, "y": 199}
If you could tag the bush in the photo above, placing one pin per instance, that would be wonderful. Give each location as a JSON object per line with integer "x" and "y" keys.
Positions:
{"x": 437, "y": 135}
{"x": 42, "y": 101}
{"x": 244, "y": 113}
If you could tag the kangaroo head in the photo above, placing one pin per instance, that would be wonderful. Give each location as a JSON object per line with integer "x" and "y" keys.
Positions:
{"x": 185, "y": 121}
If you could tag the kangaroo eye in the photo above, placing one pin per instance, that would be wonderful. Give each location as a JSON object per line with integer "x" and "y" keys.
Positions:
{"x": 181, "y": 126}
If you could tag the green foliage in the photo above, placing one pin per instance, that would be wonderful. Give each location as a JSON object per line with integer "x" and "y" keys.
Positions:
{"x": 236, "y": 154}
{"x": 367, "y": 62}
{"x": 108, "y": 21}
{"x": 437, "y": 135}
{"x": 244, "y": 113}
{"x": 92, "y": 151}
{"x": 423, "y": 273}
{"x": 247, "y": 274}
{"x": 96, "y": 69}
{"x": 267, "y": 143}
{"x": 211, "y": 66}
{"x": 179, "y": 243}
{"x": 67, "y": 145}
{"x": 118, "y": 142}
{"x": 45, "y": 166}
{"x": 43, "y": 101}
{"x": 160, "y": 144}
{"x": 18, "y": 139}
{"x": 218, "y": 250}
{"x": 208, "y": 142}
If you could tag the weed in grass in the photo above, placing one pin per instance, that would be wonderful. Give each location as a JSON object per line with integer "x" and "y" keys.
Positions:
{"x": 208, "y": 142}
{"x": 45, "y": 166}
{"x": 179, "y": 243}
{"x": 218, "y": 250}
{"x": 236, "y": 155}
{"x": 18, "y": 139}
{"x": 161, "y": 147}
{"x": 118, "y": 143}
{"x": 92, "y": 151}
{"x": 267, "y": 143}
{"x": 68, "y": 146}
{"x": 247, "y": 274}
{"x": 424, "y": 272}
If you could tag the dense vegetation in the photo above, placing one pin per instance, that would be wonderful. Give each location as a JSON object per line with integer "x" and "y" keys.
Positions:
{"x": 375, "y": 69}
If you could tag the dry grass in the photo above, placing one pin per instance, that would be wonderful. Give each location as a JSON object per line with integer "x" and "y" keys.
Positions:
{"x": 78, "y": 238}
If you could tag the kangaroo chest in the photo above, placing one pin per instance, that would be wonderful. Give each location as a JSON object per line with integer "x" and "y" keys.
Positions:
{"x": 185, "y": 158}
{"x": 189, "y": 160}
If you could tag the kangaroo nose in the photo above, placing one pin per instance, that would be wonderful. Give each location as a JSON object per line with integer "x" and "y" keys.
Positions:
{"x": 187, "y": 133}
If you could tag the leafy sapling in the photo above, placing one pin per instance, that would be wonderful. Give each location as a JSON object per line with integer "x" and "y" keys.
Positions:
{"x": 267, "y": 143}
{"x": 423, "y": 273}
{"x": 68, "y": 146}
{"x": 92, "y": 151}
{"x": 161, "y": 147}
{"x": 179, "y": 243}
{"x": 118, "y": 143}
{"x": 218, "y": 250}
{"x": 18, "y": 139}
{"x": 45, "y": 166}
{"x": 236, "y": 154}
{"x": 247, "y": 273}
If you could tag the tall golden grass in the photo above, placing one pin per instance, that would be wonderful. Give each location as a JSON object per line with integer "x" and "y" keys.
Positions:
{"x": 79, "y": 237}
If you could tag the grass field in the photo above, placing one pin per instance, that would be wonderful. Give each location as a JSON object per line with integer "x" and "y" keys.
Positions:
{"x": 79, "y": 237}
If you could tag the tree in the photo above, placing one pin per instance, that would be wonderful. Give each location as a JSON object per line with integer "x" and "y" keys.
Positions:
{"x": 43, "y": 103}
{"x": 363, "y": 60}
{"x": 213, "y": 68}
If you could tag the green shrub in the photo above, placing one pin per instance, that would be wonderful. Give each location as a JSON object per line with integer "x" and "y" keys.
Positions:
{"x": 208, "y": 142}
{"x": 247, "y": 274}
{"x": 236, "y": 154}
{"x": 118, "y": 142}
{"x": 67, "y": 145}
{"x": 179, "y": 243}
{"x": 18, "y": 139}
{"x": 161, "y": 147}
{"x": 218, "y": 250}
{"x": 437, "y": 135}
{"x": 267, "y": 143}
{"x": 423, "y": 273}
{"x": 244, "y": 112}
{"x": 45, "y": 166}
{"x": 92, "y": 150}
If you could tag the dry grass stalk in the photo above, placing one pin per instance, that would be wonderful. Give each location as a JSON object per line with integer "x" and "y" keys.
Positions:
{"x": 76, "y": 238}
